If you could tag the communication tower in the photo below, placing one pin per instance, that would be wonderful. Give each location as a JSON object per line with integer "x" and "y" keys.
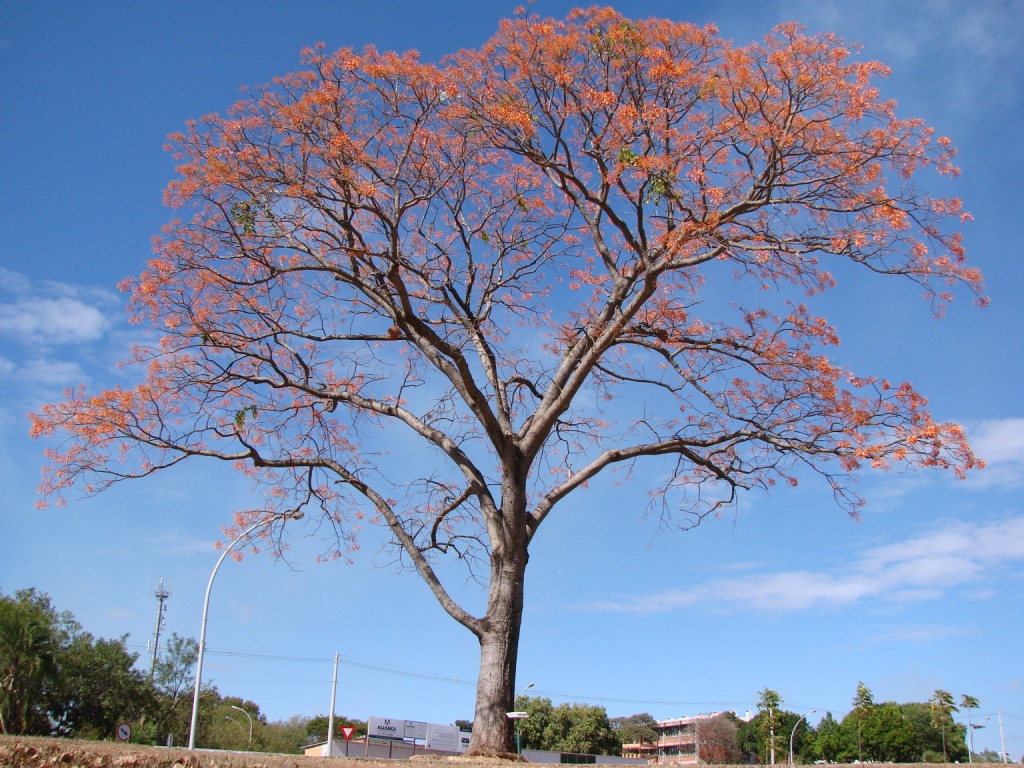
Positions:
{"x": 161, "y": 593}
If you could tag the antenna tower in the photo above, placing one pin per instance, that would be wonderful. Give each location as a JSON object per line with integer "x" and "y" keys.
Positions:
{"x": 161, "y": 593}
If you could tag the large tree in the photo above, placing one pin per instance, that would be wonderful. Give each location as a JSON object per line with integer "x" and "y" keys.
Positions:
{"x": 514, "y": 260}
{"x": 56, "y": 679}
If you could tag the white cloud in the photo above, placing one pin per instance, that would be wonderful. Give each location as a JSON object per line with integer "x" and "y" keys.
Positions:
{"x": 47, "y": 374}
{"x": 49, "y": 312}
{"x": 925, "y": 568}
{"x": 967, "y": 52}
{"x": 52, "y": 321}
{"x": 922, "y": 634}
{"x": 1000, "y": 442}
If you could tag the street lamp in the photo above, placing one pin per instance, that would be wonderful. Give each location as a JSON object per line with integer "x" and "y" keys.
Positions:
{"x": 250, "y": 721}
{"x": 517, "y": 716}
{"x": 971, "y": 727}
{"x": 295, "y": 514}
{"x": 803, "y": 717}
{"x": 526, "y": 687}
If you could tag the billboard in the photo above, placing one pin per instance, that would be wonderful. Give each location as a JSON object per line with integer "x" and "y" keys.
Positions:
{"x": 444, "y": 738}
{"x": 393, "y": 728}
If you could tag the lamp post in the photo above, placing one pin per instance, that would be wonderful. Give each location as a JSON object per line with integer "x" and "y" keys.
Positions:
{"x": 293, "y": 515}
{"x": 517, "y": 716}
{"x": 793, "y": 734}
{"x": 971, "y": 728}
{"x": 250, "y": 721}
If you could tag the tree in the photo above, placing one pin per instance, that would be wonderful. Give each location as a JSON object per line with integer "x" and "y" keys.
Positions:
{"x": 886, "y": 736}
{"x": 717, "y": 740}
{"x": 98, "y": 686}
{"x": 31, "y": 637}
{"x": 970, "y": 703}
{"x": 535, "y": 729}
{"x": 831, "y": 743}
{"x": 930, "y": 737}
{"x": 56, "y": 679}
{"x": 286, "y": 736}
{"x": 768, "y": 724}
{"x": 942, "y": 707}
{"x": 173, "y": 678}
{"x": 580, "y": 728}
{"x": 316, "y": 727}
{"x": 863, "y": 704}
{"x": 482, "y": 255}
{"x": 636, "y": 729}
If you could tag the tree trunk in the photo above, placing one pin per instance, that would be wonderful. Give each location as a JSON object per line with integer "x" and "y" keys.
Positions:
{"x": 499, "y": 650}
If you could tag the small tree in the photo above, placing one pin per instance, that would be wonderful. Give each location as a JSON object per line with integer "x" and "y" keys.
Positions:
{"x": 863, "y": 703}
{"x": 173, "y": 678}
{"x": 717, "y": 740}
{"x": 486, "y": 254}
{"x": 970, "y": 703}
{"x": 768, "y": 723}
{"x": 636, "y": 729}
{"x": 943, "y": 707}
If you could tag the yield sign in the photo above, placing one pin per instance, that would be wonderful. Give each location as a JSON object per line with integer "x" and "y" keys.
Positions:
{"x": 347, "y": 731}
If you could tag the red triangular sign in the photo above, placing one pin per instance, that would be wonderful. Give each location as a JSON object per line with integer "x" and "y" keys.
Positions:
{"x": 347, "y": 731}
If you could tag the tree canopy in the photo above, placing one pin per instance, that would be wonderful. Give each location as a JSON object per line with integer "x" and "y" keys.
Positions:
{"x": 507, "y": 257}
{"x": 56, "y": 679}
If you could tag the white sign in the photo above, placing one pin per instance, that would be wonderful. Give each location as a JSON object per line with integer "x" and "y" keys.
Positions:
{"x": 446, "y": 738}
{"x": 414, "y": 729}
{"x": 393, "y": 728}
{"x": 516, "y": 715}
{"x": 385, "y": 728}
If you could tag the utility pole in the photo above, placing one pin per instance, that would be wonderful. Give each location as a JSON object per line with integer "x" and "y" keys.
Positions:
{"x": 161, "y": 594}
{"x": 1002, "y": 740}
{"x": 330, "y": 720}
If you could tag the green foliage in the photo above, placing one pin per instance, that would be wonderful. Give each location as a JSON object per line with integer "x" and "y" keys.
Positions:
{"x": 635, "y": 729}
{"x": 887, "y": 737}
{"x": 942, "y": 709}
{"x": 56, "y": 679}
{"x": 173, "y": 681}
{"x": 580, "y": 728}
{"x": 316, "y": 727}
{"x": 30, "y": 644}
{"x": 769, "y": 735}
{"x": 98, "y": 687}
{"x": 831, "y": 741}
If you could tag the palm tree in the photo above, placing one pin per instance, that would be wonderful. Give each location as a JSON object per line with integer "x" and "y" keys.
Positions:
{"x": 942, "y": 713}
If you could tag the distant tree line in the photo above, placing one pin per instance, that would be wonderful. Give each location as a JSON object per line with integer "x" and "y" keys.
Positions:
{"x": 56, "y": 679}
{"x": 913, "y": 732}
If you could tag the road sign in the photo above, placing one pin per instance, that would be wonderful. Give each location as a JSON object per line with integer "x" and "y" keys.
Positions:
{"x": 347, "y": 731}
{"x": 124, "y": 732}
{"x": 516, "y": 715}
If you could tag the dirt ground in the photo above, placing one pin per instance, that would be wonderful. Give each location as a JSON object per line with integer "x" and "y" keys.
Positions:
{"x": 26, "y": 752}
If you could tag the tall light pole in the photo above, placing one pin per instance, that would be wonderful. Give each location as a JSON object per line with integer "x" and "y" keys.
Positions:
{"x": 517, "y": 716}
{"x": 250, "y": 721}
{"x": 971, "y": 728}
{"x": 793, "y": 734}
{"x": 295, "y": 514}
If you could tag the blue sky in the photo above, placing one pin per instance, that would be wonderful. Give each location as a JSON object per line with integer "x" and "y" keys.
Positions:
{"x": 925, "y": 592}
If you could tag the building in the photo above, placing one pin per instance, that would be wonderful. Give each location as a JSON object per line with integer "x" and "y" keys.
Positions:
{"x": 679, "y": 741}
